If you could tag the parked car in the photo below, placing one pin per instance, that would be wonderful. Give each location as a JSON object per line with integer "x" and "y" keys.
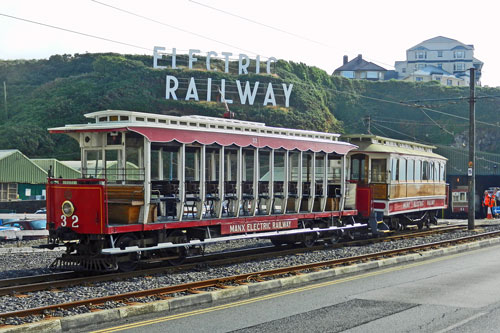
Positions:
{"x": 27, "y": 224}
{"x": 41, "y": 211}
{"x": 8, "y": 236}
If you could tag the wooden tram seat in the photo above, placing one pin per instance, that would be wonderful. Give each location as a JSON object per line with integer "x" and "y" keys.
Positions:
{"x": 124, "y": 203}
{"x": 230, "y": 193}
{"x": 306, "y": 190}
{"x": 192, "y": 195}
{"x": 318, "y": 190}
{"x": 278, "y": 193}
{"x": 247, "y": 195}
{"x": 292, "y": 190}
{"x": 212, "y": 195}
{"x": 168, "y": 192}
{"x": 263, "y": 192}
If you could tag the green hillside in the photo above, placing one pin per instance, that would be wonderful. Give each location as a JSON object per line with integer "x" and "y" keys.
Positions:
{"x": 58, "y": 91}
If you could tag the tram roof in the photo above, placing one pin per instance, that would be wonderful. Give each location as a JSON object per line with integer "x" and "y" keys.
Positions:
{"x": 208, "y": 130}
{"x": 378, "y": 144}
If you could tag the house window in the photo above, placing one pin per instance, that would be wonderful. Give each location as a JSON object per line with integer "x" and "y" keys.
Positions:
{"x": 449, "y": 82}
{"x": 440, "y": 66}
{"x": 440, "y": 54}
{"x": 459, "y": 67}
{"x": 459, "y": 54}
{"x": 347, "y": 74}
{"x": 437, "y": 78}
{"x": 420, "y": 66}
{"x": 421, "y": 55}
{"x": 403, "y": 70}
{"x": 419, "y": 78}
{"x": 371, "y": 75}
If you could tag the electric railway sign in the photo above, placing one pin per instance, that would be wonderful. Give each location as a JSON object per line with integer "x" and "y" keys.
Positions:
{"x": 196, "y": 89}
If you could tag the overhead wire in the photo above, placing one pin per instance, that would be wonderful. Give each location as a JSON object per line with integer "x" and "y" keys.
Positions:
{"x": 275, "y": 28}
{"x": 76, "y": 32}
{"x": 172, "y": 26}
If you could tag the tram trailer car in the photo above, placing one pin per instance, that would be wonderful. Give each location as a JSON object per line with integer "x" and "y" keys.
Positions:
{"x": 401, "y": 182}
{"x": 156, "y": 187}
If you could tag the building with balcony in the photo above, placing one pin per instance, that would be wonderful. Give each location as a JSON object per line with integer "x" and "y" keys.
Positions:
{"x": 439, "y": 54}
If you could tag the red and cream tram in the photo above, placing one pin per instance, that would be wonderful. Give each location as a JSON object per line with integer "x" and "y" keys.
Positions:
{"x": 402, "y": 182}
{"x": 156, "y": 186}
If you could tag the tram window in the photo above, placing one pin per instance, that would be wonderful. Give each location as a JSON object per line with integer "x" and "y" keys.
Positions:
{"x": 134, "y": 169}
{"x": 402, "y": 169}
{"x": 411, "y": 167}
{"x": 394, "y": 169}
{"x": 248, "y": 160}
{"x": 212, "y": 159}
{"x": 293, "y": 170}
{"x": 94, "y": 164}
{"x": 436, "y": 172}
{"x": 379, "y": 167}
{"x": 155, "y": 156}
{"x": 462, "y": 196}
{"x": 442, "y": 173}
{"x": 170, "y": 164}
{"x": 334, "y": 170}
{"x": 114, "y": 170}
{"x": 320, "y": 167}
{"x": 425, "y": 171}
{"x": 192, "y": 164}
{"x": 264, "y": 165}
{"x": 279, "y": 167}
{"x": 306, "y": 167}
{"x": 418, "y": 170}
{"x": 358, "y": 168}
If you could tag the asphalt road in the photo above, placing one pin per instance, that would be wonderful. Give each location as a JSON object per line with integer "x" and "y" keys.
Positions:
{"x": 458, "y": 293}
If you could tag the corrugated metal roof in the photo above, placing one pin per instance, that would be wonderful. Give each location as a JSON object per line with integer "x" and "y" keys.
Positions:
{"x": 15, "y": 167}
{"x": 58, "y": 169}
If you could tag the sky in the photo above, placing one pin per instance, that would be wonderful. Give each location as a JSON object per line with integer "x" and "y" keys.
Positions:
{"x": 316, "y": 32}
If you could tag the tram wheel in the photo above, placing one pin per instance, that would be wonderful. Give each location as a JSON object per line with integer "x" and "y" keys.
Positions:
{"x": 177, "y": 236}
{"x": 127, "y": 262}
{"x": 309, "y": 239}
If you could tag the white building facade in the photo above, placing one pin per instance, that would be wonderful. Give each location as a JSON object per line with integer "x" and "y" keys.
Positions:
{"x": 449, "y": 55}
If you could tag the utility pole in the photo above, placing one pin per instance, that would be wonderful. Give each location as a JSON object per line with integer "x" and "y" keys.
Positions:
{"x": 5, "y": 99}
{"x": 471, "y": 172}
{"x": 368, "y": 120}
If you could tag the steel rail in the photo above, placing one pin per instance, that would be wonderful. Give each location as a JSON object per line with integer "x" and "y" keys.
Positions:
{"x": 30, "y": 284}
{"x": 194, "y": 287}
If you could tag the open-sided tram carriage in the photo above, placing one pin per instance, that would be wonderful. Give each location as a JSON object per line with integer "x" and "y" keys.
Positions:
{"x": 158, "y": 187}
{"x": 155, "y": 186}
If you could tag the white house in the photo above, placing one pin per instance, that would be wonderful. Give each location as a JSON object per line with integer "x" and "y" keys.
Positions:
{"x": 449, "y": 55}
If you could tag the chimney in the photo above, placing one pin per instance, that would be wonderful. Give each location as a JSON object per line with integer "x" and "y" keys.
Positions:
{"x": 360, "y": 57}
{"x": 346, "y": 59}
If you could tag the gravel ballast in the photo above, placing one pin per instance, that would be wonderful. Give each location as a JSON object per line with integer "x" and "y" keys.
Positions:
{"x": 21, "y": 264}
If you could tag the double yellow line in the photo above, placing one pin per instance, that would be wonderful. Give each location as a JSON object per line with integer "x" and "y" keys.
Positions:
{"x": 278, "y": 294}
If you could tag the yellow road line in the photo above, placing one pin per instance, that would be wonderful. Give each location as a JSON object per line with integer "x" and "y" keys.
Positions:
{"x": 280, "y": 294}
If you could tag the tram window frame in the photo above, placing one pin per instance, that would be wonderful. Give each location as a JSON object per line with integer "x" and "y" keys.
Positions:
{"x": 425, "y": 170}
{"x": 418, "y": 170}
{"x": 402, "y": 170}
{"x": 378, "y": 172}
{"x": 394, "y": 169}
{"x": 410, "y": 170}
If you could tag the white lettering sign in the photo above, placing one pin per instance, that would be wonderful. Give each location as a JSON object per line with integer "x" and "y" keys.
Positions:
{"x": 248, "y": 94}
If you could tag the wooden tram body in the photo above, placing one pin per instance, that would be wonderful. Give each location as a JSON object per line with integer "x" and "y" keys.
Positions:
{"x": 401, "y": 182}
{"x": 154, "y": 185}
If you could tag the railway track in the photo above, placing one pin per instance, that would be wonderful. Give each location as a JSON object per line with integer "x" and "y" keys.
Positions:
{"x": 195, "y": 287}
{"x": 66, "y": 279}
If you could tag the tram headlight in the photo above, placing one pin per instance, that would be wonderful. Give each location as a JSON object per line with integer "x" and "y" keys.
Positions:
{"x": 68, "y": 208}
